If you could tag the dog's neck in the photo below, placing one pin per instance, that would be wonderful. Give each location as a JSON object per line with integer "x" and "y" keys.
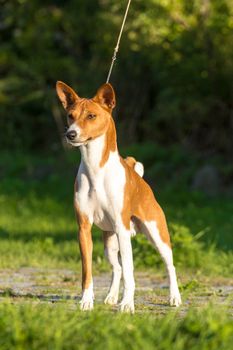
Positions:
{"x": 95, "y": 154}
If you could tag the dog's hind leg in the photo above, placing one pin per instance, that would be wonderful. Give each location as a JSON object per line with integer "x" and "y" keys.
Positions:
{"x": 111, "y": 249}
{"x": 153, "y": 233}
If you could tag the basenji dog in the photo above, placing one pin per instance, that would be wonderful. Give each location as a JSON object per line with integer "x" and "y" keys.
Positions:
{"x": 111, "y": 193}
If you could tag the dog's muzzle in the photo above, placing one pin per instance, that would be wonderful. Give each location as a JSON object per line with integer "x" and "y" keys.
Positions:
{"x": 71, "y": 135}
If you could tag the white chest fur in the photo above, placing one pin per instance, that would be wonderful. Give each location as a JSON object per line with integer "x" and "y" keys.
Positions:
{"x": 100, "y": 193}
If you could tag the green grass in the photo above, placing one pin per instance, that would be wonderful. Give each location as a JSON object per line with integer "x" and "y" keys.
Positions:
{"x": 42, "y": 326}
{"x": 38, "y": 228}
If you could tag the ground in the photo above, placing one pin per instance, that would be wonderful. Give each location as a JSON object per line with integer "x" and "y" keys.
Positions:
{"x": 59, "y": 285}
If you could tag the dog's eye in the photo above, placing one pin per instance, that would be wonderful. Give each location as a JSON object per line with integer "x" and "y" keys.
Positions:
{"x": 70, "y": 116}
{"x": 91, "y": 116}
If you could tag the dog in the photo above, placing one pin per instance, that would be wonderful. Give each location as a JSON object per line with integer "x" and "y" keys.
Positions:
{"x": 111, "y": 193}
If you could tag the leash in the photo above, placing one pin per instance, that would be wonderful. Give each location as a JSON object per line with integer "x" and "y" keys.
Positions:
{"x": 118, "y": 42}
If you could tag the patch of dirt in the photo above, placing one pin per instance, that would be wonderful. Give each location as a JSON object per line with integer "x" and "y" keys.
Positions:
{"x": 56, "y": 285}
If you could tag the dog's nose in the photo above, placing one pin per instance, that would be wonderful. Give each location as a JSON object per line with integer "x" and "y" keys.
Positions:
{"x": 71, "y": 134}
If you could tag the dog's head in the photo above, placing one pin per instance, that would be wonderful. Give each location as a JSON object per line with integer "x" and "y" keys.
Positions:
{"x": 87, "y": 118}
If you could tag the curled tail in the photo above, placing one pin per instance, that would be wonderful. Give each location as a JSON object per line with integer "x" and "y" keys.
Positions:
{"x": 137, "y": 166}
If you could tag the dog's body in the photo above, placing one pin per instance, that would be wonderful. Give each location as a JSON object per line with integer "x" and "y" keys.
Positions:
{"x": 110, "y": 192}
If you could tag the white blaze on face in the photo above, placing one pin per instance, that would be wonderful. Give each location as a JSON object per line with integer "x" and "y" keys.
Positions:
{"x": 79, "y": 139}
{"x": 75, "y": 127}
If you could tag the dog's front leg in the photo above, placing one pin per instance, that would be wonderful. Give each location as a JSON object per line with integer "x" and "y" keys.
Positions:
{"x": 86, "y": 246}
{"x": 124, "y": 238}
{"x": 111, "y": 249}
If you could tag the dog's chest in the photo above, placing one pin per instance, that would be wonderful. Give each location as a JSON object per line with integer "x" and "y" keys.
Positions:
{"x": 101, "y": 196}
{"x": 102, "y": 199}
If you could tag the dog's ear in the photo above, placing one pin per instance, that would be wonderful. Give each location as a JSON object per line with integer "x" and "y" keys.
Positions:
{"x": 66, "y": 95}
{"x": 106, "y": 96}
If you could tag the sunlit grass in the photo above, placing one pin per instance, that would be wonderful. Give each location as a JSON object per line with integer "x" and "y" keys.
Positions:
{"x": 38, "y": 227}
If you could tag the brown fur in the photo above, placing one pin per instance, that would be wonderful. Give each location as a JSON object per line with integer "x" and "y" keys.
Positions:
{"x": 139, "y": 201}
{"x": 90, "y": 128}
{"x": 131, "y": 161}
{"x": 110, "y": 143}
{"x": 85, "y": 244}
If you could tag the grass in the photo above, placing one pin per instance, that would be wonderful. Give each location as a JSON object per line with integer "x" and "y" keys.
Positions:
{"x": 38, "y": 229}
{"x": 42, "y": 326}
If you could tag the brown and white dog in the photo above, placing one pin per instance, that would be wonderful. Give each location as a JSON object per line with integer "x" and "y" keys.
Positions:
{"x": 111, "y": 193}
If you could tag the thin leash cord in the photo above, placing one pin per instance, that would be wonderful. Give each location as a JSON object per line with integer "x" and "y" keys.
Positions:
{"x": 118, "y": 42}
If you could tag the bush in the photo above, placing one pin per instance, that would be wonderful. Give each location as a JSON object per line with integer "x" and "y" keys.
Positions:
{"x": 172, "y": 77}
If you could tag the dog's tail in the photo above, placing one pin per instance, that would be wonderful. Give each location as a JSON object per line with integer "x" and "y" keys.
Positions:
{"x": 137, "y": 166}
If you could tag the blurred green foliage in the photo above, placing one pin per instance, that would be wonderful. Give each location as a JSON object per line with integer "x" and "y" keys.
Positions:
{"x": 173, "y": 76}
{"x": 26, "y": 327}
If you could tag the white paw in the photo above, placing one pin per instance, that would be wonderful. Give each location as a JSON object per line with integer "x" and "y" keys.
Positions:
{"x": 86, "y": 305}
{"x": 127, "y": 306}
{"x": 111, "y": 299}
{"x": 175, "y": 300}
{"x": 87, "y": 301}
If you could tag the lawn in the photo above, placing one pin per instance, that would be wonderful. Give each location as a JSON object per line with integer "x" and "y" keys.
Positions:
{"x": 40, "y": 268}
